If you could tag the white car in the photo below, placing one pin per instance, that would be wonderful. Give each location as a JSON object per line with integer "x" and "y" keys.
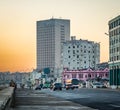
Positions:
{"x": 98, "y": 85}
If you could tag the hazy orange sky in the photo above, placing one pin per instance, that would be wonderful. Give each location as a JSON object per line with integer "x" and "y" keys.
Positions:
{"x": 89, "y": 20}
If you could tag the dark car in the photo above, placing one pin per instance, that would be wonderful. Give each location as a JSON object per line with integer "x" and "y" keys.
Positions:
{"x": 57, "y": 86}
{"x": 69, "y": 86}
{"x": 38, "y": 87}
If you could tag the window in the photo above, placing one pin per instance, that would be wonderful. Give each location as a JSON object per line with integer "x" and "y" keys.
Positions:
{"x": 106, "y": 75}
{"x": 77, "y": 56}
{"x": 117, "y": 58}
{"x": 73, "y": 75}
{"x": 73, "y": 51}
{"x": 73, "y": 46}
{"x": 89, "y": 75}
{"x": 117, "y": 49}
{"x": 119, "y": 21}
{"x": 80, "y": 75}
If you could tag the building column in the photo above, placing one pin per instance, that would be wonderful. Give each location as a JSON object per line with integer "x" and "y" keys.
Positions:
{"x": 111, "y": 77}
{"x": 118, "y": 77}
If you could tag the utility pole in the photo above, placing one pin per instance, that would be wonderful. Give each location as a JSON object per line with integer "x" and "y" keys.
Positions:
{"x": 113, "y": 66}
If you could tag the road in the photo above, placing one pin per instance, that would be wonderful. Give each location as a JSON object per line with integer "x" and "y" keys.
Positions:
{"x": 78, "y": 99}
{"x": 41, "y": 100}
{"x": 101, "y": 99}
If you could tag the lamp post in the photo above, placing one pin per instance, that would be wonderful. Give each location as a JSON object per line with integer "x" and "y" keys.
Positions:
{"x": 113, "y": 66}
{"x": 113, "y": 74}
{"x": 56, "y": 72}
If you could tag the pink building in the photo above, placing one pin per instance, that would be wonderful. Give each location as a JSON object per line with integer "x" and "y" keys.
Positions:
{"x": 85, "y": 74}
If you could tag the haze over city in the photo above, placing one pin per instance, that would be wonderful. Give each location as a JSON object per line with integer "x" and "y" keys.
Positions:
{"x": 89, "y": 20}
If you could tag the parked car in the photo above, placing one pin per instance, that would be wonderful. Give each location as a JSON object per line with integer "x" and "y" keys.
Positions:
{"x": 72, "y": 83}
{"x": 98, "y": 85}
{"x": 46, "y": 85}
{"x": 38, "y": 87}
{"x": 69, "y": 86}
{"x": 57, "y": 86}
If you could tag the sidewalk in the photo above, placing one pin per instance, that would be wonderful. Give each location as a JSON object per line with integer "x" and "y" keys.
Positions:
{"x": 5, "y": 96}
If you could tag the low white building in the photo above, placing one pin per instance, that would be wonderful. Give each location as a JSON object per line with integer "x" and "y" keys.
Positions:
{"x": 35, "y": 77}
{"x": 80, "y": 54}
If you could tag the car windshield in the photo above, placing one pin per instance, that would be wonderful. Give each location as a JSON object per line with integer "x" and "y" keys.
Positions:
{"x": 58, "y": 84}
{"x": 97, "y": 84}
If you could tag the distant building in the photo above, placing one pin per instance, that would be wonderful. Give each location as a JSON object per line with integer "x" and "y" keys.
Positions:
{"x": 102, "y": 65}
{"x": 114, "y": 51}
{"x": 6, "y": 77}
{"x": 51, "y": 34}
{"x": 80, "y": 54}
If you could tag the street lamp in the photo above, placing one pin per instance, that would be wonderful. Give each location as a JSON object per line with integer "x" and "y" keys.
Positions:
{"x": 57, "y": 71}
{"x": 113, "y": 67}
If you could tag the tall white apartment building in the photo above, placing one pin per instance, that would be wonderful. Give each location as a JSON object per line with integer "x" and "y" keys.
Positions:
{"x": 114, "y": 51}
{"x": 51, "y": 34}
{"x": 80, "y": 54}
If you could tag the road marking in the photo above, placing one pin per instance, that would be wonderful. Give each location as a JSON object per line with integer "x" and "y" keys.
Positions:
{"x": 114, "y": 105}
{"x": 54, "y": 107}
{"x": 66, "y": 95}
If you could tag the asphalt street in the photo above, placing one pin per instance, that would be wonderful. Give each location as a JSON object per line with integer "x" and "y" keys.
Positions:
{"x": 101, "y": 99}
{"x": 78, "y": 99}
{"x": 41, "y": 100}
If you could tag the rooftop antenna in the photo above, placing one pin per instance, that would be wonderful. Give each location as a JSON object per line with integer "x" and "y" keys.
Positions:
{"x": 60, "y": 17}
{"x": 106, "y": 34}
{"x": 52, "y": 17}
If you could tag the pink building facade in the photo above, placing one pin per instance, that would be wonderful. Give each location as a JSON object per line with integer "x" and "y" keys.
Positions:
{"x": 85, "y": 74}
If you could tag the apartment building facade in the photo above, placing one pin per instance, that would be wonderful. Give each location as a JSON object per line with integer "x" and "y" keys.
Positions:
{"x": 114, "y": 51}
{"x": 80, "y": 54}
{"x": 51, "y": 34}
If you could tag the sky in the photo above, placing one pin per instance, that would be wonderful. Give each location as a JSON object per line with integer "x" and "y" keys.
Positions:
{"x": 89, "y": 21}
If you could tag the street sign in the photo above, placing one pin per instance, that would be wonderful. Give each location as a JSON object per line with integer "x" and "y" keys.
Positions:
{"x": 46, "y": 70}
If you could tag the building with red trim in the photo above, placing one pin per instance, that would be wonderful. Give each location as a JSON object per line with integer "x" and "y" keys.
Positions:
{"x": 85, "y": 74}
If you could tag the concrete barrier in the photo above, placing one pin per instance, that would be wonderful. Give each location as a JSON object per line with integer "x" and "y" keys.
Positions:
{"x": 7, "y": 96}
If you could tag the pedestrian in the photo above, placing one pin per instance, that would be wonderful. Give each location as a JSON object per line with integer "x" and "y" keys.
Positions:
{"x": 12, "y": 84}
